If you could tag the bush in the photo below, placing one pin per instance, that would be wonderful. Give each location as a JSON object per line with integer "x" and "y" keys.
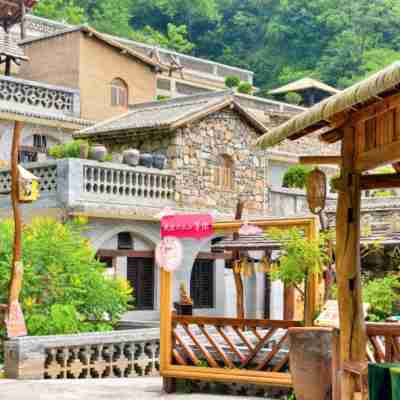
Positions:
{"x": 245, "y": 88}
{"x": 67, "y": 150}
{"x": 293, "y": 98}
{"x": 64, "y": 288}
{"x": 296, "y": 177}
{"x": 232, "y": 81}
{"x": 381, "y": 294}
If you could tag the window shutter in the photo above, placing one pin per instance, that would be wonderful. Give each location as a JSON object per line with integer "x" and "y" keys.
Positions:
{"x": 125, "y": 241}
{"x": 202, "y": 284}
{"x": 140, "y": 274}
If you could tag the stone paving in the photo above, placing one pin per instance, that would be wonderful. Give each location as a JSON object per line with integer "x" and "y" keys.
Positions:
{"x": 107, "y": 389}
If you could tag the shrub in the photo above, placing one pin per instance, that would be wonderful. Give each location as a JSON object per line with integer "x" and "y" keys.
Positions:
{"x": 293, "y": 98}
{"x": 64, "y": 288}
{"x": 67, "y": 150}
{"x": 296, "y": 177}
{"x": 245, "y": 88}
{"x": 232, "y": 81}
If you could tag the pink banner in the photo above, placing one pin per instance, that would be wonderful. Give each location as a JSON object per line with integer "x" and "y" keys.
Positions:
{"x": 196, "y": 226}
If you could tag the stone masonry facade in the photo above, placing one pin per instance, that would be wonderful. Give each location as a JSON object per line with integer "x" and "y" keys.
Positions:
{"x": 193, "y": 153}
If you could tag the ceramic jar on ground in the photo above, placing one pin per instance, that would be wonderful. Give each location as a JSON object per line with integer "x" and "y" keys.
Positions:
{"x": 98, "y": 152}
{"x": 131, "y": 157}
{"x": 159, "y": 161}
{"x": 146, "y": 160}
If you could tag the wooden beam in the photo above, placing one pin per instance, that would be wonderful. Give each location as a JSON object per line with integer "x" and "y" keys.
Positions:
{"x": 348, "y": 267}
{"x": 125, "y": 253}
{"x": 383, "y": 155}
{"x": 331, "y": 136}
{"x": 383, "y": 181}
{"x": 317, "y": 160}
{"x": 214, "y": 256}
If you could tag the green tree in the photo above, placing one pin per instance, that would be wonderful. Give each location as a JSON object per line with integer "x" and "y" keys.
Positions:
{"x": 64, "y": 288}
{"x": 296, "y": 176}
{"x": 61, "y": 10}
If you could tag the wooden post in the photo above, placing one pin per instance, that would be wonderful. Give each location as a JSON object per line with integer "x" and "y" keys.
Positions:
{"x": 23, "y": 18}
{"x": 352, "y": 326}
{"x": 14, "y": 318}
{"x": 237, "y": 275}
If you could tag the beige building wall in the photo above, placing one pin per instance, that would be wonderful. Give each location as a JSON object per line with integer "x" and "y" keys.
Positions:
{"x": 54, "y": 61}
{"x": 99, "y": 65}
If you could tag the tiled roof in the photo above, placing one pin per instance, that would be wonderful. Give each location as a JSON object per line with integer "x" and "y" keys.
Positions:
{"x": 10, "y": 48}
{"x": 303, "y": 84}
{"x": 168, "y": 115}
{"x": 103, "y": 38}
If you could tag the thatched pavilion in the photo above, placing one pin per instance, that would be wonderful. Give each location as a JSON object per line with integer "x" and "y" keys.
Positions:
{"x": 365, "y": 118}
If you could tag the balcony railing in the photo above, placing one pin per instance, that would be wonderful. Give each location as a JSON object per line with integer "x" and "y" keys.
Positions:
{"x": 85, "y": 184}
{"x": 39, "y": 97}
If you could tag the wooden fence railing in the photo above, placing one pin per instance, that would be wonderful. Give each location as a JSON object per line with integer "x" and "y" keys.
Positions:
{"x": 258, "y": 345}
{"x": 383, "y": 342}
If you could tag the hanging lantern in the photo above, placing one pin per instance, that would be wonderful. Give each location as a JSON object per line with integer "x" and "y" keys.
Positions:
{"x": 316, "y": 191}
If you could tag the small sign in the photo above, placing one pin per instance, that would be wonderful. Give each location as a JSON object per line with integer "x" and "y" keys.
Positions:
{"x": 169, "y": 254}
{"x": 15, "y": 322}
{"x": 196, "y": 226}
{"x": 330, "y": 314}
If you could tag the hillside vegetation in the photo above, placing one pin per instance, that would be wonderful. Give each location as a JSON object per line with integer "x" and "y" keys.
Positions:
{"x": 337, "y": 41}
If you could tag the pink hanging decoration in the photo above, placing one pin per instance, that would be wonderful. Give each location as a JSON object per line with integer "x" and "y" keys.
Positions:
{"x": 246, "y": 229}
{"x": 169, "y": 253}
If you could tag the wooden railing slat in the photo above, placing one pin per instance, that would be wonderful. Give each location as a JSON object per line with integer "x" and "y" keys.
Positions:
{"x": 379, "y": 349}
{"x": 244, "y": 338}
{"x": 281, "y": 363}
{"x": 205, "y": 352}
{"x": 257, "y": 349}
{"x": 255, "y": 332}
{"x": 217, "y": 348}
{"x": 187, "y": 349}
{"x": 230, "y": 344}
{"x": 272, "y": 353}
{"x": 179, "y": 359}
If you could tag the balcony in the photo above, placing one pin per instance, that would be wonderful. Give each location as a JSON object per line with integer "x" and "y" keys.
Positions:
{"x": 38, "y": 98}
{"x": 101, "y": 188}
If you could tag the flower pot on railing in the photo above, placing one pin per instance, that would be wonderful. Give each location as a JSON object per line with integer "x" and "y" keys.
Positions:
{"x": 183, "y": 309}
{"x": 131, "y": 157}
{"x": 146, "y": 160}
{"x": 98, "y": 152}
{"x": 313, "y": 358}
{"x": 159, "y": 161}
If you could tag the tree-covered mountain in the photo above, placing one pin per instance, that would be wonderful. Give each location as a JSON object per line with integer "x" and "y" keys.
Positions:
{"x": 337, "y": 41}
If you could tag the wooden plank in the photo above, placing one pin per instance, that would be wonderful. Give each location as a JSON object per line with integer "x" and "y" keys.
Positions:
{"x": 379, "y": 349}
{"x": 386, "y": 154}
{"x": 178, "y": 358}
{"x": 218, "y": 321}
{"x": 317, "y": 160}
{"x": 230, "y": 344}
{"x": 186, "y": 348}
{"x": 360, "y": 137}
{"x": 331, "y": 136}
{"x": 243, "y": 337}
{"x": 205, "y": 352}
{"x": 370, "y": 134}
{"x": 281, "y": 363}
{"x": 165, "y": 320}
{"x": 380, "y": 181}
{"x": 125, "y": 253}
{"x": 272, "y": 353}
{"x": 214, "y": 256}
{"x": 217, "y": 348}
{"x": 396, "y": 133}
{"x": 256, "y": 334}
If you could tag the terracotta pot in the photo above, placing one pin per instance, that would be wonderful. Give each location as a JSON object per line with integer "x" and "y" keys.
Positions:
{"x": 131, "y": 157}
{"x": 311, "y": 357}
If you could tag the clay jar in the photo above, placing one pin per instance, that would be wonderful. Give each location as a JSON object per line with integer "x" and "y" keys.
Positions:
{"x": 312, "y": 354}
{"x": 131, "y": 157}
{"x": 98, "y": 152}
{"x": 159, "y": 161}
{"x": 146, "y": 160}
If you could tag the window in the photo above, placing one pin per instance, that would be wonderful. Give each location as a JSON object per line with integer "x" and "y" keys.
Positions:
{"x": 225, "y": 173}
{"x": 40, "y": 142}
{"x": 125, "y": 241}
{"x": 202, "y": 284}
{"x": 140, "y": 274}
{"x": 119, "y": 93}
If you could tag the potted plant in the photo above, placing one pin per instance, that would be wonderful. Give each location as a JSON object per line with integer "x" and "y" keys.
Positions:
{"x": 185, "y": 304}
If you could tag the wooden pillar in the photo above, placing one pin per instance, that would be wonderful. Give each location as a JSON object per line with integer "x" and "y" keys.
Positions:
{"x": 352, "y": 326}
{"x": 289, "y": 303}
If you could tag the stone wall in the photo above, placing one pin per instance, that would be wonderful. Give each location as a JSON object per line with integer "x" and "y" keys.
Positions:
{"x": 119, "y": 354}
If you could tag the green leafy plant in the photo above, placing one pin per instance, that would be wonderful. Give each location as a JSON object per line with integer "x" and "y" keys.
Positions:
{"x": 67, "y": 150}
{"x": 381, "y": 294}
{"x": 232, "y": 81}
{"x": 293, "y": 98}
{"x": 296, "y": 177}
{"x": 245, "y": 88}
{"x": 64, "y": 289}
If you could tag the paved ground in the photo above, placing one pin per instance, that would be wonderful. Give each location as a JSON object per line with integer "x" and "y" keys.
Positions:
{"x": 109, "y": 389}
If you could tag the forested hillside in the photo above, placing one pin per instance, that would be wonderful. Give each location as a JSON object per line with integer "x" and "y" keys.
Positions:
{"x": 337, "y": 41}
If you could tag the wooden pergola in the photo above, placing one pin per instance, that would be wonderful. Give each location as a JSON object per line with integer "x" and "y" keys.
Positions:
{"x": 365, "y": 119}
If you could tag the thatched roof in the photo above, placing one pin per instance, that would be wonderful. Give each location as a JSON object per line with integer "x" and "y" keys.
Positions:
{"x": 304, "y": 84}
{"x": 321, "y": 115}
